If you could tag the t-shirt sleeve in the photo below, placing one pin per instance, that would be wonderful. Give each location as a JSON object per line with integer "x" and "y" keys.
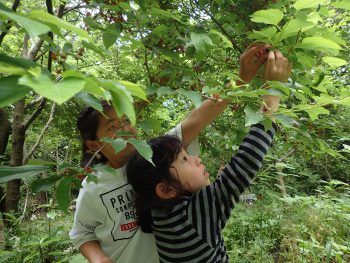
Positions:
{"x": 86, "y": 219}
{"x": 210, "y": 208}
{"x": 193, "y": 148}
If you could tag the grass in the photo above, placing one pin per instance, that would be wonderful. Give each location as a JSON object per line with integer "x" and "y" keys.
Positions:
{"x": 273, "y": 229}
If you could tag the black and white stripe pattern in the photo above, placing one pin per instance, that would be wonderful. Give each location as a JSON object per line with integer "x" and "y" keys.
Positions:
{"x": 191, "y": 231}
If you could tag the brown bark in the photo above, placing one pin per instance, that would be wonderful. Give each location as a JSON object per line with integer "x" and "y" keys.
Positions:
{"x": 20, "y": 126}
{"x": 18, "y": 137}
{"x": 5, "y": 129}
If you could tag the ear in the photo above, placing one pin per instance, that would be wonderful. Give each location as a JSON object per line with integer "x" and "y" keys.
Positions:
{"x": 92, "y": 145}
{"x": 164, "y": 191}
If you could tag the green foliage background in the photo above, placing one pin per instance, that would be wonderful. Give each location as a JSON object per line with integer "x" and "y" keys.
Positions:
{"x": 171, "y": 54}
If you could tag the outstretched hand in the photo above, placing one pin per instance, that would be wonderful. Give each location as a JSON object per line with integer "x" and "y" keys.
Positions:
{"x": 277, "y": 67}
{"x": 251, "y": 60}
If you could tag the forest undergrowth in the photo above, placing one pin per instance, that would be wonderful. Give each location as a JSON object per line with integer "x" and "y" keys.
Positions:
{"x": 274, "y": 228}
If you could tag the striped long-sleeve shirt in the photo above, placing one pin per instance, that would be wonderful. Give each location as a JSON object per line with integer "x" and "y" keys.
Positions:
{"x": 191, "y": 231}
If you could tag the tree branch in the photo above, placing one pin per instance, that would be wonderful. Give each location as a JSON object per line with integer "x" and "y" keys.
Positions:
{"x": 34, "y": 114}
{"x": 9, "y": 23}
{"x": 50, "y": 34}
{"x": 25, "y": 46}
{"x": 42, "y": 133}
{"x": 35, "y": 49}
{"x": 233, "y": 42}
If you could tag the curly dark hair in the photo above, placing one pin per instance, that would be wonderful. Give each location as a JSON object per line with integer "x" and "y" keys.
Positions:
{"x": 87, "y": 123}
{"x": 144, "y": 176}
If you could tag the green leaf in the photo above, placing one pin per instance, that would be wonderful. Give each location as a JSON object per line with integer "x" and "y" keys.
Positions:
{"x": 162, "y": 13}
{"x": 165, "y": 90}
{"x": 17, "y": 62}
{"x": 60, "y": 23}
{"x": 344, "y": 4}
{"x": 13, "y": 70}
{"x": 118, "y": 144}
{"x": 11, "y": 91}
{"x": 44, "y": 184}
{"x": 90, "y": 100}
{"x": 193, "y": 96}
{"x": 134, "y": 89}
{"x": 33, "y": 28}
{"x": 40, "y": 162}
{"x": 58, "y": 92}
{"x": 334, "y": 62}
{"x": 202, "y": 42}
{"x": 150, "y": 124}
{"x": 344, "y": 98}
{"x": 8, "y": 173}
{"x": 249, "y": 94}
{"x": 123, "y": 104}
{"x": 286, "y": 120}
{"x": 278, "y": 88}
{"x": 94, "y": 88}
{"x": 269, "y": 16}
{"x": 99, "y": 50}
{"x": 302, "y": 4}
{"x": 319, "y": 43}
{"x": 265, "y": 35}
{"x": 315, "y": 111}
{"x": 293, "y": 27}
{"x": 143, "y": 148}
{"x": 226, "y": 42}
{"x": 63, "y": 193}
{"x": 252, "y": 116}
{"x": 111, "y": 34}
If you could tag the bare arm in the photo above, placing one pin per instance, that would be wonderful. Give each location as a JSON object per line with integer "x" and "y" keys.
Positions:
{"x": 93, "y": 252}
{"x": 199, "y": 118}
{"x": 277, "y": 68}
{"x": 250, "y": 62}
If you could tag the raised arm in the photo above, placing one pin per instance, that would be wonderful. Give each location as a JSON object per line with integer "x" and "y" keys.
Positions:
{"x": 250, "y": 62}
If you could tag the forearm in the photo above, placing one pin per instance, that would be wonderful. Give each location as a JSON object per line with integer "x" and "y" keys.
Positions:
{"x": 93, "y": 252}
{"x": 200, "y": 118}
{"x": 251, "y": 153}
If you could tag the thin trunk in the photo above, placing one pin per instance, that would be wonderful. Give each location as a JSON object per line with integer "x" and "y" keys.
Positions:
{"x": 18, "y": 137}
{"x": 5, "y": 129}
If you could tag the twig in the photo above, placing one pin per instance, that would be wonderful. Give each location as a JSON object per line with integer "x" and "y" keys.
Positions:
{"x": 25, "y": 206}
{"x": 94, "y": 155}
{"x": 42, "y": 132}
{"x": 9, "y": 23}
{"x": 34, "y": 114}
{"x": 279, "y": 160}
{"x": 221, "y": 28}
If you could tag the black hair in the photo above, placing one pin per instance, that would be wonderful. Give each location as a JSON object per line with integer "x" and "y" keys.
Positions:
{"x": 144, "y": 176}
{"x": 87, "y": 123}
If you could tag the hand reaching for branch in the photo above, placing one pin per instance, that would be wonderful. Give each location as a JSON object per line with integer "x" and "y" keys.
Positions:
{"x": 277, "y": 67}
{"x": 251, "y": 60}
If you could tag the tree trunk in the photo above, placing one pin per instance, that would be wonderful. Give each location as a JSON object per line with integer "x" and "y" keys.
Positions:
{"x": 5, "y": 129}
{"x": 18, "y": 137}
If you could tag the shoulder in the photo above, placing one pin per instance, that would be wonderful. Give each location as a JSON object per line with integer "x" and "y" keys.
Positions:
{"x": 105, "y": 180}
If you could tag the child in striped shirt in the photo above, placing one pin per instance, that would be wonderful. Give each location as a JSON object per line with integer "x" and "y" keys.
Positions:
{"x": 175, "y": 199}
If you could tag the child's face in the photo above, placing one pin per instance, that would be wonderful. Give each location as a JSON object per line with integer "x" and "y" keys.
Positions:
{"x": 108, "y": 128}
{"x": 190, "y": 172}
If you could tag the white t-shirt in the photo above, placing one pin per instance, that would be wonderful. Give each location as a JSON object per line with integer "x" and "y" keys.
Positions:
{"x": 104, "y": 212}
